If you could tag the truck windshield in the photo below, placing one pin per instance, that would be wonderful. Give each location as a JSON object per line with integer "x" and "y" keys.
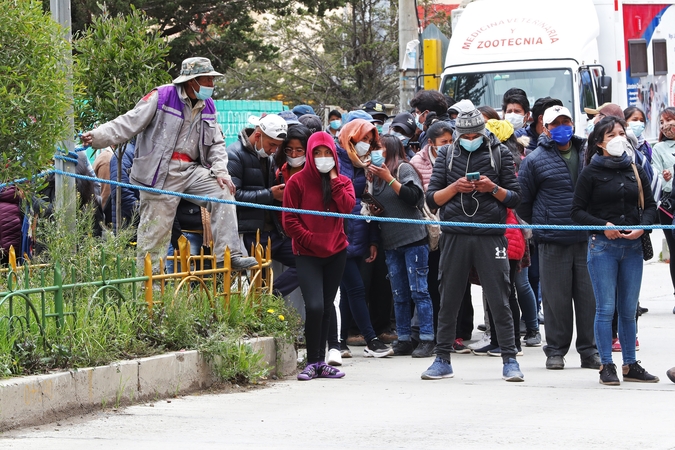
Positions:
{"x": 488, "y": 88}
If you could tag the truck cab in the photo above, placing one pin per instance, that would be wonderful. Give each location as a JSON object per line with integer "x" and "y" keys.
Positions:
{"x": 548, "y": 49}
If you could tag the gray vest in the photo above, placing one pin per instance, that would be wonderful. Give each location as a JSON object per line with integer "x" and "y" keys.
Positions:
{"x": 395, "y": 235}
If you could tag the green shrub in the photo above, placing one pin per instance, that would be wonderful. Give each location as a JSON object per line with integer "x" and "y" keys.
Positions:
{"x": 33, "y": 84}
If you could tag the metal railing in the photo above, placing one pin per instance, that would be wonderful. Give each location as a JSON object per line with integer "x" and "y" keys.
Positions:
{"x": 35, "y": 293}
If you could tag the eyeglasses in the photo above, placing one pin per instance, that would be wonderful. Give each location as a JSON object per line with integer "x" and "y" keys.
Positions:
{"x": 290, "y": 151}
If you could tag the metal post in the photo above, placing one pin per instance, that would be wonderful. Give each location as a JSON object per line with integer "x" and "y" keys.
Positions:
{"x": 407, "y": 31}
{"x": 58, "y": 296}
{"x": 65, "y": 185}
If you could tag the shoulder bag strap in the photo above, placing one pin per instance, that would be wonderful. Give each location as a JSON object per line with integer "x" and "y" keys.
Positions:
{"x": 641, "y": 198}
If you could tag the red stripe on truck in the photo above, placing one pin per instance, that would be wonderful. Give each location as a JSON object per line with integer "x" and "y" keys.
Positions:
{"x": 618, "y": 66}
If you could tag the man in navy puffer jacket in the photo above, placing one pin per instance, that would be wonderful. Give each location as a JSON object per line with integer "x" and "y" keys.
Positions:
{"x": 547, "y": 178}
{"x": 130, "y": 197}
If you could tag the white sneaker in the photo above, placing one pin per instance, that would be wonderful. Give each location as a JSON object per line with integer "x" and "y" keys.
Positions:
{"x": 484, "y": 340}
{"x": 334, "y": 358}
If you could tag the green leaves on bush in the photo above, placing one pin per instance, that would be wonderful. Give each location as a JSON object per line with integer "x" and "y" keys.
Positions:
{"x": 33, "y": 81}
{"x": 119, "y": 60}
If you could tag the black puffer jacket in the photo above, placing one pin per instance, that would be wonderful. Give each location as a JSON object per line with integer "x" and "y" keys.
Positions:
{"x": 548, "y": 192}
{"x": 253, "y": 185}
{"x": 453, "y": 163}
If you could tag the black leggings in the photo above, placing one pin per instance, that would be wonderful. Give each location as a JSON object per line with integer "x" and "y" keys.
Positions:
{"x": 319, "y": 281}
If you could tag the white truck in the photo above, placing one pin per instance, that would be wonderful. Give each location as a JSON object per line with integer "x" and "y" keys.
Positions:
{"x": 583, "y": 52}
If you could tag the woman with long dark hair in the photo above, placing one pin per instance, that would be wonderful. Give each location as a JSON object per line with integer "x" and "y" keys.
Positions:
{"x": 397, "y": 186}
{"x": 319, "y": 243}
{"x": 663, "y": 160}
{"x": 608, "y": 193}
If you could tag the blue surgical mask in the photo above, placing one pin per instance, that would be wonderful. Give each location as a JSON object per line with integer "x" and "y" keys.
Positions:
{"x": 637, "y": 127}
{"x": 203, "y": 93}
{"x": 418, "y": 123}
{"x": 590, "y": 126}
{"x": 562, "y": 134}
{"x": 335, "y": 124}
{"x": 376, "y": 158}
{"x": 379, "y": 129}
{"x": 471, "y": 146}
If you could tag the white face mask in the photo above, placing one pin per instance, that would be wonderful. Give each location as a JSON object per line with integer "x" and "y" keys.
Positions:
{"x": 324, "y": 164}
{"x": 618, "y": 145}
{"x": 260, "y": 151}
{"x": 516, "y": 120}
{"x": 362, "y": 148}
{"x": 296, "y": 162}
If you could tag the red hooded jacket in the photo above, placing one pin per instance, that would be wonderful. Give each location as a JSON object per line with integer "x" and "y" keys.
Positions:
{"x": 318, "y": 236}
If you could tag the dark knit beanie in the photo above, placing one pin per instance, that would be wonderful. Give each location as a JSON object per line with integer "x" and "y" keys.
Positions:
{"x": 470, "y": 122}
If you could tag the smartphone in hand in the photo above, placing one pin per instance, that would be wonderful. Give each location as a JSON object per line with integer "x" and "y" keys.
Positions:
{"x": 473, "y": 176}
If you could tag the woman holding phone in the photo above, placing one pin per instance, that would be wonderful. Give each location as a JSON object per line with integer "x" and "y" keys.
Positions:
{"x": 398, "y": 191}
{"x": 609, "y": 192}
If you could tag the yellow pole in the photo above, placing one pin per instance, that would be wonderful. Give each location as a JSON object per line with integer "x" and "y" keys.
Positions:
{"x": 432, "y": 64}
{"x": 147, "y": 271}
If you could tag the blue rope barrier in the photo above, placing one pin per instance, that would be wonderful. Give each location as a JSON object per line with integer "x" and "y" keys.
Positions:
{"x": 23, "y": 180}
{"x": 360, "y": 217}
{"x": 66, "y": 158}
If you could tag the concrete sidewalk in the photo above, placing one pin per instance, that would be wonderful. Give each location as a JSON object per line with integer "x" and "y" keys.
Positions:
{"x": 383, "y": 404}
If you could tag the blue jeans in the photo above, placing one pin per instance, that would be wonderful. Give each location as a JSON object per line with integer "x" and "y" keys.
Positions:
{"x": 195, "y": 240}
{"x": 408, "y": 268}
{"x": 526, "y": 299}
{"x": 615, "y": 267}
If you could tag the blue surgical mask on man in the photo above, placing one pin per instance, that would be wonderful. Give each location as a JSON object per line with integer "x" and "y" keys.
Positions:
{"x": 203, "y": 93}
{"x": 562, "y": 134}
{"x": 471, "y": 145}
{"x": 335, "y": 124}
{"x": 419, "y": 124}
{"x": 590, "y": 126}
{"x": 376, "y": 158}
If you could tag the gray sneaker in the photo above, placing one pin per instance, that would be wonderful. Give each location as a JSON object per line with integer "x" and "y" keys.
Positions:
{"x": 532, "y": 338}
{"x": 242, "y": 262}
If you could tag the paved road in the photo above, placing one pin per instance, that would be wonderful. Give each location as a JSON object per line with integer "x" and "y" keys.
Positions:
{"x": 383, "y": 404}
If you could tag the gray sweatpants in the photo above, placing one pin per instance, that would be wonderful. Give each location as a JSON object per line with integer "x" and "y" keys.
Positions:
{"x": 566, "y": 292}
{"x": 487, "y": 253}
{"x": 158, "y": 211}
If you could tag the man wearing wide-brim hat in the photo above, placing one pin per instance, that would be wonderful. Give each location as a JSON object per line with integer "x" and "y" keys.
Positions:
{"x": 179, "y": 148}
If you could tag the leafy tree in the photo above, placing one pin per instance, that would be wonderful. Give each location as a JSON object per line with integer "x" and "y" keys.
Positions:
{"x": 119, "y": 59}
{"x": 33, "y": 80}
{"x": 345, "y": 59}
{"x": 221, "y": 30}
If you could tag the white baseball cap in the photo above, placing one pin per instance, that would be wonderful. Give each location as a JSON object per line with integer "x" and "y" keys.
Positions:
{"x": 274, "y": 126}
{"x": 554, "y": 112}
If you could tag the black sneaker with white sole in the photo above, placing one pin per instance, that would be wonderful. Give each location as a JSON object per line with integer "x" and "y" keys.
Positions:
{"x": 377, "y": 349}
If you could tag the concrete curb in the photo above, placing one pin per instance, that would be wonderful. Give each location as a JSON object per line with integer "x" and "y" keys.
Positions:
{"x": 41, "y": 399}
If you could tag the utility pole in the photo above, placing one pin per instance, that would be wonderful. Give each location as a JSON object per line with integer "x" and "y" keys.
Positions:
{"x": 65, "y": 185}
{"x": 407, "y": 31}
